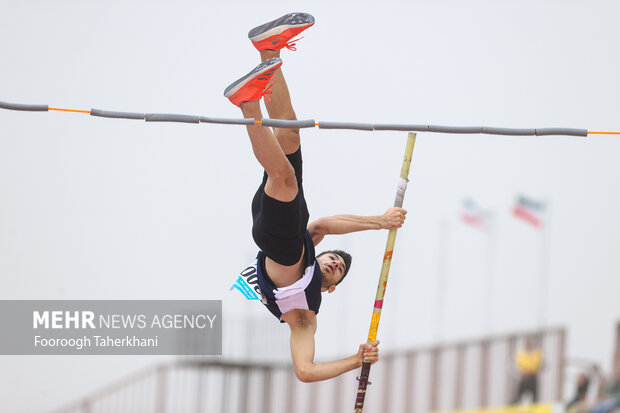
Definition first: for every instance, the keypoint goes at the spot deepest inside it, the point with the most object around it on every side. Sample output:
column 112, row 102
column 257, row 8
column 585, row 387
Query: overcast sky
column 95, row 208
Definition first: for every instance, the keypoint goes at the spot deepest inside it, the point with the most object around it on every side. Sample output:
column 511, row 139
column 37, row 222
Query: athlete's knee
column 288, row 114
column 287, row 135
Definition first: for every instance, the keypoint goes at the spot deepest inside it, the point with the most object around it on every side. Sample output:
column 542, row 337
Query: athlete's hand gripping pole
column 385, row 270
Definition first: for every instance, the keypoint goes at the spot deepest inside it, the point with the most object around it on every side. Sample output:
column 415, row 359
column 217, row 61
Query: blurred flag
column 473, row 215
column 529, row 210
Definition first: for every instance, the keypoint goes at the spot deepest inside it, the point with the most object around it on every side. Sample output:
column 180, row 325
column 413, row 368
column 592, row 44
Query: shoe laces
column 290, row 45
column 266, row 92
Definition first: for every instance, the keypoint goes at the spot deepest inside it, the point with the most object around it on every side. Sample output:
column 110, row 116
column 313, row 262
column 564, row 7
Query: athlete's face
column 332, row 268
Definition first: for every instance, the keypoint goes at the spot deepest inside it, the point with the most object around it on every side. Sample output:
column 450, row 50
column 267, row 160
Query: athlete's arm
column 303, row 327
column 344, row 224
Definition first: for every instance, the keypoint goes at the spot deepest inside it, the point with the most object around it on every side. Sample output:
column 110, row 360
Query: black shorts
column 279, row 227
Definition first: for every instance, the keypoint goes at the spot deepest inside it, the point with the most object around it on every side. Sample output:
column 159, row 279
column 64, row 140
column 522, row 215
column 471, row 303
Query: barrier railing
column 458, row 376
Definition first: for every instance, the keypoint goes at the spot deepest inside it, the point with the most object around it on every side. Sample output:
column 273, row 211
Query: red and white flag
column 475, row 216
column 530, row 211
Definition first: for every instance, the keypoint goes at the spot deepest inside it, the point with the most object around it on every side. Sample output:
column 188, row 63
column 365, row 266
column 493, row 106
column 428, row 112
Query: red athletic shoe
column 278, row 33
column 252, row 86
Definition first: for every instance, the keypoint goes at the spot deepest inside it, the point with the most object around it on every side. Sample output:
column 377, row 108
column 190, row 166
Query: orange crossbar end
column 604, row 133
column 70, row 110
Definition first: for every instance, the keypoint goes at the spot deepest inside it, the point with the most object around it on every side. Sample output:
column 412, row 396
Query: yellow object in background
column 529, row 362
column 526, row 408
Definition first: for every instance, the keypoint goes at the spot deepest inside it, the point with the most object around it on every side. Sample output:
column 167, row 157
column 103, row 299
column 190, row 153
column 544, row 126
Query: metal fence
column 463, row 375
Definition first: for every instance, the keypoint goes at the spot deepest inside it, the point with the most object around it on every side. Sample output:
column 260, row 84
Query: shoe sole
column 261, row 68
column 277, row 26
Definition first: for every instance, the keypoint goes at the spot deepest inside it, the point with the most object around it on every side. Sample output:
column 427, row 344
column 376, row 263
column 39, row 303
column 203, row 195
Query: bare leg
column 280, row 107
column 281, row 184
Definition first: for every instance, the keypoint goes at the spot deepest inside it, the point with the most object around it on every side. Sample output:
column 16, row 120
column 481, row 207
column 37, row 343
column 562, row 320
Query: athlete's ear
column 331, row 289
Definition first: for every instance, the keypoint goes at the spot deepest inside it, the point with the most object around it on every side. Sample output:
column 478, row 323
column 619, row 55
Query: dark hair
column 345, row 256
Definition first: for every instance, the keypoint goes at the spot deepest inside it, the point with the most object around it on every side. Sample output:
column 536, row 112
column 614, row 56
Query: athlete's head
column 335, row 265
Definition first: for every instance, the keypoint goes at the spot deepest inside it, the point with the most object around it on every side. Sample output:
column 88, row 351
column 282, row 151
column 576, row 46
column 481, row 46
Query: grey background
column 94, row 208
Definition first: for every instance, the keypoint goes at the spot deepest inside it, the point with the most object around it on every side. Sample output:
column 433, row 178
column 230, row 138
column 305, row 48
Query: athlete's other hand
column 394, row 218
column 368, row 351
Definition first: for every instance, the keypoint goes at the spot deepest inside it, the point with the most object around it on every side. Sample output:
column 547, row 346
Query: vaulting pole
column 385, row 270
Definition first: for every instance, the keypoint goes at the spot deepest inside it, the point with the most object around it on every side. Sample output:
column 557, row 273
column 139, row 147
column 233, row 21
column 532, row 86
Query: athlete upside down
column 290, row 276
